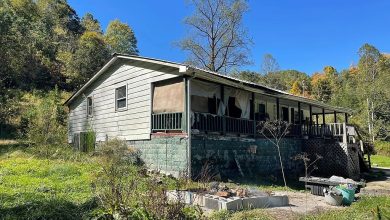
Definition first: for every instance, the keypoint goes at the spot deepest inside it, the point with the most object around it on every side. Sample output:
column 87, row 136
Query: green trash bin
column 348, row 195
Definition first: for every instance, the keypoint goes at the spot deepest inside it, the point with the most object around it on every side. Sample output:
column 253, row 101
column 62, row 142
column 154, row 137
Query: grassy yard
column 33, row 187
column 380, row 160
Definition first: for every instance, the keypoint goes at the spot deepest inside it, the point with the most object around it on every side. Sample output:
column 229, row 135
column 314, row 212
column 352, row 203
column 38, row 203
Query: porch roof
column 194, row 72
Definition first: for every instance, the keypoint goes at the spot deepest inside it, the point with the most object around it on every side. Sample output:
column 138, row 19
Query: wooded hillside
column 44, row 44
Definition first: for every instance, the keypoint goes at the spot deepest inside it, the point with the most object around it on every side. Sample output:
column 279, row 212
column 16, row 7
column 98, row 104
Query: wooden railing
column 240, row 126
column 206, row 122
column 216, row 123
column 167, row 121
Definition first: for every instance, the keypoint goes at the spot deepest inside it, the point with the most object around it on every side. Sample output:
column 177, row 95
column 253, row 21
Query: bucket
column 333, row 199
column 348, row 195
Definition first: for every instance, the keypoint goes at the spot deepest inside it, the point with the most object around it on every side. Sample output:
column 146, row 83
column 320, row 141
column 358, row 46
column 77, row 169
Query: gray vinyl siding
column 130, row 124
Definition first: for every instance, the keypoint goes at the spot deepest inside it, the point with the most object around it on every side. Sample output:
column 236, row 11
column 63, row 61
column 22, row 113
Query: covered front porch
column 197, row 106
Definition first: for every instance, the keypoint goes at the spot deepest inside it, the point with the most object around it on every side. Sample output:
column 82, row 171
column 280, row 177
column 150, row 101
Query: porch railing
column 206, row 122
column 167, row 121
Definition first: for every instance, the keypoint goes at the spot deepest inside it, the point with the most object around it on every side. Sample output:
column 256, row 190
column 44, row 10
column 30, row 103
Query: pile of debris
column 219, row 197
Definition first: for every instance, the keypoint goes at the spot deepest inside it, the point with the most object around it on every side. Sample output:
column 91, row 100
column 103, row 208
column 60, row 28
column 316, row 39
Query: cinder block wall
column 168, row 154
column 234, row 157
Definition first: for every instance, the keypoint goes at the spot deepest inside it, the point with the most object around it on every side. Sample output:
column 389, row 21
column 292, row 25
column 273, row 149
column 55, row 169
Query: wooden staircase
column 366, row 149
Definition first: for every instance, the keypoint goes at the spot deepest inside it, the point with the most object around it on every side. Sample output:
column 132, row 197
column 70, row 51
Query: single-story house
column 182, row 117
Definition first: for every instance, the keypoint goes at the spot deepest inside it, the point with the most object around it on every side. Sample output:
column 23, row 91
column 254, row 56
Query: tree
column 274, row 132
column 90, row 56
column 217, row 40
column 321, row 87
column 89, row 23
column 285, row 79
column 296, row 88
column 369, row 70
column 120, row 38
column 269, row 64
column 248, row 76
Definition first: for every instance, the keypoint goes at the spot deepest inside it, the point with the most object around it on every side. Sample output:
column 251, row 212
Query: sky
column 304, row 35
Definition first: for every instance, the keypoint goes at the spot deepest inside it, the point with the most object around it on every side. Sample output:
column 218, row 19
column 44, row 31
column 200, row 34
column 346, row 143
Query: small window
column 120, row 98
column 89, row 106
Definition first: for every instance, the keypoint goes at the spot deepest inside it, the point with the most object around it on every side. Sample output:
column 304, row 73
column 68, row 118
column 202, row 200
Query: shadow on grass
column 12, row 147
column 268, row 182
column 49, row 209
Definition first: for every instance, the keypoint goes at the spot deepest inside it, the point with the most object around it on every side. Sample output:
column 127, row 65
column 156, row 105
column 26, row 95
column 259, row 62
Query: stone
column 241, row 192
column 224, row 194
column 214, row 185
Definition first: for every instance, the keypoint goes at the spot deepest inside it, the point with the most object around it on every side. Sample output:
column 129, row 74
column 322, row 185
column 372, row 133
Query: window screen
column 120, row 96
column 89, row 106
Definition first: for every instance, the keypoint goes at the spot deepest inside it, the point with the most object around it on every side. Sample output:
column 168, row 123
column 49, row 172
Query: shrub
column 126, row 192
column 46, row 121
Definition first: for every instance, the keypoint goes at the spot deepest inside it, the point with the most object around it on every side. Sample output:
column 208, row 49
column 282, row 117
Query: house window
column 89, row 106
column 121, row 98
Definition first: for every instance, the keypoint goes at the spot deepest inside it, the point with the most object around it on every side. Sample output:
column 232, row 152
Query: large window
column 89, row 106
column 121, row 98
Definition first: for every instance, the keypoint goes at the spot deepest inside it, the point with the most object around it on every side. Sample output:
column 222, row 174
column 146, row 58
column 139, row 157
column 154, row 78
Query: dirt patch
column 301, row 203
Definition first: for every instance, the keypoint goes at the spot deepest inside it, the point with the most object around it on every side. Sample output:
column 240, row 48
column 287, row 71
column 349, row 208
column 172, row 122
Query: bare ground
column 301, row 203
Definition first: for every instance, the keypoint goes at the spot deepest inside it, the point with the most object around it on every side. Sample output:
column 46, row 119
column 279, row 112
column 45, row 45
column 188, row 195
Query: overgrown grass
column 380, row 160
column 32, row 187
column 382, row 148
column 377, row 207
column 258, row 214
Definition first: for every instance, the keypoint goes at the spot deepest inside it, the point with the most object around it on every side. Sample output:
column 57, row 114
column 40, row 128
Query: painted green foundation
column 232, row 157
column 167, row 154
column 228, row 157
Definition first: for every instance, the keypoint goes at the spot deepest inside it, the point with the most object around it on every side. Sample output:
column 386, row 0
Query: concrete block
column 231, row 204
column 211, row 203
column 256, row 202
column 198, row 199
column 278, row 201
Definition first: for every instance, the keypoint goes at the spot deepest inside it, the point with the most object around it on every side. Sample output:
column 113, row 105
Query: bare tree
column 269, row 64
column 275, row 131
column 217, row 40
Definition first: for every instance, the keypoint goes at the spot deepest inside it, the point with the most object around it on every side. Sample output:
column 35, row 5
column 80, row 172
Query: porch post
column 185, row 112
column 187, row 119
column 277, row 109
column 299, row 114
column 323, row 117
column 311, row 119
column 346, row 118
column 224, row 110
column 316, row 119
column 253, row 107
column 335, row 116
column 299, row 119
column 323, row 122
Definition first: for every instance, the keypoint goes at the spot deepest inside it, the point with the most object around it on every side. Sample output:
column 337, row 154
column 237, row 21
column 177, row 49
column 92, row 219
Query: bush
column 126, row 192
column 46, row 121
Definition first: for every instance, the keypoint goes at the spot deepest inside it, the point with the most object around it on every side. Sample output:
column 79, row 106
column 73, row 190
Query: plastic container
column 348, row 195
column 333, row 199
